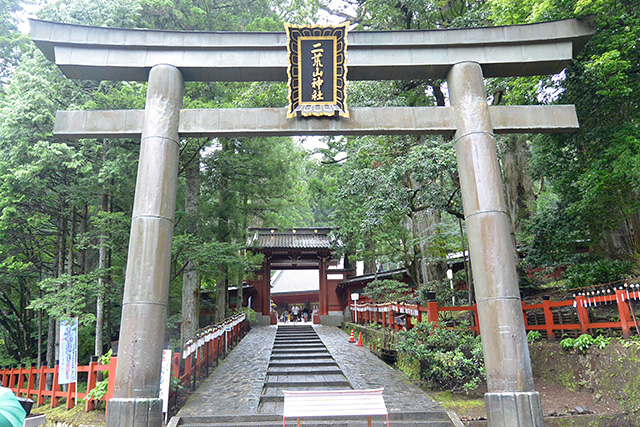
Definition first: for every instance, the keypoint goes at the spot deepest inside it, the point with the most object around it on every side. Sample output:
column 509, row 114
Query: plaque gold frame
column 295, row 34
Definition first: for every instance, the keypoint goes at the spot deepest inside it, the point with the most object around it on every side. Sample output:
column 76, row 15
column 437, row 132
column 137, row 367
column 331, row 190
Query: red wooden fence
column 31, row 382
column 399, row 316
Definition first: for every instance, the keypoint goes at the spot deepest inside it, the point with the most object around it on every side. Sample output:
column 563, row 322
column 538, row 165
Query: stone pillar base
column 332, row 319
column 514, row 409
column 263, row 320
column 134, row 412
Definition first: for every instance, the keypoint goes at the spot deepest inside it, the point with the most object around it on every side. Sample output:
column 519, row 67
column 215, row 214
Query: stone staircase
column 300, row 361
column 410, row 419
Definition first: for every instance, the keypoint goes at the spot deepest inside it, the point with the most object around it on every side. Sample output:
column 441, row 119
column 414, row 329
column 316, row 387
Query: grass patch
column 76, row 417
column 458, row 403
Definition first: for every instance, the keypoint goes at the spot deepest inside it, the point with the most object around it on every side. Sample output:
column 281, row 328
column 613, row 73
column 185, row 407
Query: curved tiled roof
column 297, row 238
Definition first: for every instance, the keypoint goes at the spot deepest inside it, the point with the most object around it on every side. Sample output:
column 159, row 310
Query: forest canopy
column 393, row 201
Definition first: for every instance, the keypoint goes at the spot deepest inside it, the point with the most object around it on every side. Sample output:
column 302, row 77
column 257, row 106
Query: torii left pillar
column 146, row 291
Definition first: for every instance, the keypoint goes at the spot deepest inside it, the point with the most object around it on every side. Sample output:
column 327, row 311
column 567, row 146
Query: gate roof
column 297, row 248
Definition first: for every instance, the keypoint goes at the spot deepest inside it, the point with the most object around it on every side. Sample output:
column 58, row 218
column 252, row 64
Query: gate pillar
column 511, row 399
column 266, row 289
column 146, row 290
column 323, row 287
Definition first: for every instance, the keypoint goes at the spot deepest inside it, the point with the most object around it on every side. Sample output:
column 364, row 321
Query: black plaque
column 317, row 71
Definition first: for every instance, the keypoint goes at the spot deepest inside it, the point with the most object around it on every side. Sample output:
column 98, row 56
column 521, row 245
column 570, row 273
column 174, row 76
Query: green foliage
column 99, row 391
column 420, row 14
column 175, row 384
column 387, row 290
column 249, row 312
column 450, row 358
column 444, row 293
column 596, row 272
column 594, row 172
column 583, row 342
column 534, row 336
column 105, row 358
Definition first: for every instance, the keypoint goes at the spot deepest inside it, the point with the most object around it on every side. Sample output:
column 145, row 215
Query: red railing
column 32, row 382
column 399, row 316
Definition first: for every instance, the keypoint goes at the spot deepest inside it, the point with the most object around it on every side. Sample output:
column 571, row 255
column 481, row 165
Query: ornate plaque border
column 297, row 108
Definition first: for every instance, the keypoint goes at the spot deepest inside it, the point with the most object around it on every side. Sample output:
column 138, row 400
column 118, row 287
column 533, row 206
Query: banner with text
column 68, row 368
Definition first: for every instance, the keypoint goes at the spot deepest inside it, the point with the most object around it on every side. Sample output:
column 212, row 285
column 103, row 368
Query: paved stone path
column 234, row 388
column 364, row 370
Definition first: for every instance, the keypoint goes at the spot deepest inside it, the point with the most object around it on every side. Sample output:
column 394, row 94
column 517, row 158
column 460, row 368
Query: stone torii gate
column 463, row 56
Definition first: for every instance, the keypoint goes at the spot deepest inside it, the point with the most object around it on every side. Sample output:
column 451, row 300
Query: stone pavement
column 364, row 370
column 234, row 388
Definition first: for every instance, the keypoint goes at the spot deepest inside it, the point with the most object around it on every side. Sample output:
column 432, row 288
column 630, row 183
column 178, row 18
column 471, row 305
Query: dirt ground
column 556, row 400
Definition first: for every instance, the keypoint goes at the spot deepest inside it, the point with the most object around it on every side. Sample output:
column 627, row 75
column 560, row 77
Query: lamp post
column 450, row 277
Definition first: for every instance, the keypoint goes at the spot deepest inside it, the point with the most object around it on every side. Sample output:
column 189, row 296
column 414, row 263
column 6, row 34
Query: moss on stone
column 409, row 365
column 611, row 371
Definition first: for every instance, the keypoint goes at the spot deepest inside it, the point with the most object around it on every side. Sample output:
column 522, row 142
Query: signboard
column 165, row 380
column 317, row 70
column 68, row 368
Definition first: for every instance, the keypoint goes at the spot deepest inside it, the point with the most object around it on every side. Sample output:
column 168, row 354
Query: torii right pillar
column 511, row 400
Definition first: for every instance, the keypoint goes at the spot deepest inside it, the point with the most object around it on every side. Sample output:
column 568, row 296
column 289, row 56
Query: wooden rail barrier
column 399, row 316
column 187, row 367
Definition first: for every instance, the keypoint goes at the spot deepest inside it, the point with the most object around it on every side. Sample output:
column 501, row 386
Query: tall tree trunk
column 53, row 331
column 224, row 236
column 221, row 300
column 82, row 253
column 429, row 254
column 619, row 242
column 190, row 277
column 245, row 226
column 39, row 359
column 102, row 266
column 370, row 257
column 520, row 197
column 471, row 294
column 71, row 248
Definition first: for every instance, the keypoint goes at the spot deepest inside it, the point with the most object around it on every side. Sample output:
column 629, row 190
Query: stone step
column 283, row 346
column 313, row 350
column 415, row 419
column 307, row 383
column 304, row 370
column 292, row 341
column 305, row 356
column 295, row 363
column 377, row 421
column 296, row 337
column 277, row 391
column 303, row 326
column 320, row 378
column 310, row 333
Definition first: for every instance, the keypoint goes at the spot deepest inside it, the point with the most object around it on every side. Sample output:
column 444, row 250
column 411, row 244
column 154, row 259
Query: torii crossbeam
column 463, row 56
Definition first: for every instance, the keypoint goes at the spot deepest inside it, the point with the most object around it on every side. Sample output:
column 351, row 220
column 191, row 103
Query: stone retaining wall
column 613, row 371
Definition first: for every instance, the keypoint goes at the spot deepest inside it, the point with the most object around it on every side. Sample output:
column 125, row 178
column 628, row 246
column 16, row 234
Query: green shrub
column 534, row 336
column 98, row 391
column 387, row 290
column 596, row 272
column 583, row 342
column 451, row 359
